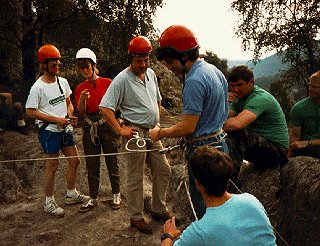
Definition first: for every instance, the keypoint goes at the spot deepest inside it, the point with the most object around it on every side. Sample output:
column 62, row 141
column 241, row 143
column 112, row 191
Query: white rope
column 274, row 229
column 75, row 156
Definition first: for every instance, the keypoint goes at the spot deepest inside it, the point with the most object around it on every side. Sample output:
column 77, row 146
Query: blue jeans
column 196, row 198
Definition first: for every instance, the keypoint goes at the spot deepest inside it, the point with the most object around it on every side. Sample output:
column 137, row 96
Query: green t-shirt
column 270, row 123
column 306, row 114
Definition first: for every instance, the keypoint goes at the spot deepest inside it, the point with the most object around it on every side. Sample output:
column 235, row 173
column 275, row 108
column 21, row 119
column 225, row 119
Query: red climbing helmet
column 139, row 46
column 48, row 52
column 179, row 38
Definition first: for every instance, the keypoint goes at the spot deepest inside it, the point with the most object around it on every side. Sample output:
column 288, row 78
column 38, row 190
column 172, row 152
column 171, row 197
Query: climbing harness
column 94, row 129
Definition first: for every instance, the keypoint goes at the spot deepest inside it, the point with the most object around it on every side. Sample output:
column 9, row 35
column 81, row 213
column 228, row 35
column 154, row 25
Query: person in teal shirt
column 305, row 122
column 256, row 124
column 230, row 219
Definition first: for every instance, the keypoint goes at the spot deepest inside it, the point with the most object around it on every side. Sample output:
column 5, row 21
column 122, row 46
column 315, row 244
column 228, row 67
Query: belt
column 218, row 135
column 126, row 122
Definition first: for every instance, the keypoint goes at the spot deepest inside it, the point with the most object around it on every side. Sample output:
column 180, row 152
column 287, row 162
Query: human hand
column 171, row 228
column 298, row 145
column 232, row 97
column 84, row 95
column 62, row 122
column 73, row 120
column 128, row 132
column 154, row 133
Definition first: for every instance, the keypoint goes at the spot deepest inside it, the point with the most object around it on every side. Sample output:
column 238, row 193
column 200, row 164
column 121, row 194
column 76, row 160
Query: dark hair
column 166, row 53
column 84, row 62
column 240, row 72
column 212, row 169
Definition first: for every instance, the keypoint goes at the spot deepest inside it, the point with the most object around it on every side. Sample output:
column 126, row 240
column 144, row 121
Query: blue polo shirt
column 206, row 94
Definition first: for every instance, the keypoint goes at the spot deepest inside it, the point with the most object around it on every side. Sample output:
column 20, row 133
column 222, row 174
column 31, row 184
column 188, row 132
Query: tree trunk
column 28, row 48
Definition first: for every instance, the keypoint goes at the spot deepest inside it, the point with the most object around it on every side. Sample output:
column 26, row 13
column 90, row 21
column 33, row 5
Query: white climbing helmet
column 86, row 53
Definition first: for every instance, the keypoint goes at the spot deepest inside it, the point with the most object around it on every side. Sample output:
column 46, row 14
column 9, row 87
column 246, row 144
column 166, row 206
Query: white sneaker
column 92, row 203
column 52, row 207
column 116, row 201
column 77, row 198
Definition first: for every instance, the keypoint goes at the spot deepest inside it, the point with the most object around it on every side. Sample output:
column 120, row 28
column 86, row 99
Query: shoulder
column 246, row 199
column 301, row 105
column 105, row 80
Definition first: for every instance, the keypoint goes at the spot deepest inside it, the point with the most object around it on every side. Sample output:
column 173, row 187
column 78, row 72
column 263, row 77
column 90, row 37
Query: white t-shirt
column 48, row 99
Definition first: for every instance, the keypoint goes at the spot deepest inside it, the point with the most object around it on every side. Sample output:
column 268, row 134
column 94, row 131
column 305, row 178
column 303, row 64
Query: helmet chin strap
column 92, row 77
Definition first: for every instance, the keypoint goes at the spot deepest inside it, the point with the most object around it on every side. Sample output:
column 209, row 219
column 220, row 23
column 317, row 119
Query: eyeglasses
column 54, row 63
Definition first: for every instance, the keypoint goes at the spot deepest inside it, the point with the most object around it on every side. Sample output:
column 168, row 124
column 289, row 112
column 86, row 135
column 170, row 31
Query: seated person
column 230, row 219
column 305, row 122
column 11, row 114
column 256, row 125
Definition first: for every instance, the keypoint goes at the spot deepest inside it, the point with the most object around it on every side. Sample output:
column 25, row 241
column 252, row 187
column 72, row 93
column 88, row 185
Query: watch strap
column 165, row 236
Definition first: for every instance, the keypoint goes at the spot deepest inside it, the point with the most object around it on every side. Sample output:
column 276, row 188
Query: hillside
column 269, row 66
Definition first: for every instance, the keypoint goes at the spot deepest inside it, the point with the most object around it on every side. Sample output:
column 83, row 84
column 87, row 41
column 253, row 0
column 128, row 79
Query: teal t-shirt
column 270, row 123
column 240, row 221
column 306, row 114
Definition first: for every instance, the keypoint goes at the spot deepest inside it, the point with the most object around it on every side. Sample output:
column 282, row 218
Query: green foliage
column 104, row 26
column 212, row 58
column 290, row 26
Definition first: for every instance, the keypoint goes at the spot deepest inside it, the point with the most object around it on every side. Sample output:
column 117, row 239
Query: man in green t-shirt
column 256, row 124
column 305, row 122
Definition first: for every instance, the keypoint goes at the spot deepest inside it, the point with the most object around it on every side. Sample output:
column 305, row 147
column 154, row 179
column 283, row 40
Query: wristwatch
column 165, row 236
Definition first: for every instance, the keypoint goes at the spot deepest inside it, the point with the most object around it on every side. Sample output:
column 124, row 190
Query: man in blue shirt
column 205, row 98
column 230, row 219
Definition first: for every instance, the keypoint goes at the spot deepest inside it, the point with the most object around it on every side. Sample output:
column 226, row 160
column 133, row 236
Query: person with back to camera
column 49, row 103
column 97, row 133
column 204, row 97
column 135, row 92
column 256, row 124
column 230, row 219
column 305, row 122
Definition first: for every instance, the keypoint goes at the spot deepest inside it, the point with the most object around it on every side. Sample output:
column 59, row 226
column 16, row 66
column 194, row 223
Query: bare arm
column 82, row 105
column 70, row 108
column 170, row 228
column 240, row 121
column 36, row 114
column 185, row 127
column 110, row 118
column 295, row 134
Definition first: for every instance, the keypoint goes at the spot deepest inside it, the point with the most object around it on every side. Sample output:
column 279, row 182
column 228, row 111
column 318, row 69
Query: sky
column 212, row 21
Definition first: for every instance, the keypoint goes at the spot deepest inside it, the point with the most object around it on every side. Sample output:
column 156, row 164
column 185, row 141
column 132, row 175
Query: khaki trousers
column 135, row 165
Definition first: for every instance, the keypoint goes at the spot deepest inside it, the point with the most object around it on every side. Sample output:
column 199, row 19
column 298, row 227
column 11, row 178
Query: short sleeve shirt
column 137, row 100
column 306, row 114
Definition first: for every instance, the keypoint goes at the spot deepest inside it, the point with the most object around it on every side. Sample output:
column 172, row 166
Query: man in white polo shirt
column 135, row 92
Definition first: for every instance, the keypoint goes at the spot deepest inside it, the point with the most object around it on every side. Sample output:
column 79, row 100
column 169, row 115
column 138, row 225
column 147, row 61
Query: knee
column 74, row 162
column 17, row 106
column 52, row 166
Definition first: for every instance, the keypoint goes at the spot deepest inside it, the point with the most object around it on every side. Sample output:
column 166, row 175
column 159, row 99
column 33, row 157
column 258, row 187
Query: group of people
column 116, row 111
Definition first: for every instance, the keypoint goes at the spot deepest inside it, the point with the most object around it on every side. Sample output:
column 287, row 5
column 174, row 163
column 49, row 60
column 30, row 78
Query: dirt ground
column 25, row 223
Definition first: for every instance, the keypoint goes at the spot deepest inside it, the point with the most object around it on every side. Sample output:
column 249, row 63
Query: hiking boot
column 52, row 208
column 164, row 217
column 78, row 198
column 92, row 203
column 116, row 203
column 141, row 225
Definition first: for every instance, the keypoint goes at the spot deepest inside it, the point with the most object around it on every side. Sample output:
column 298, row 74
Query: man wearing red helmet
column 135, row 92
column 49, row 103
column 205, row 99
